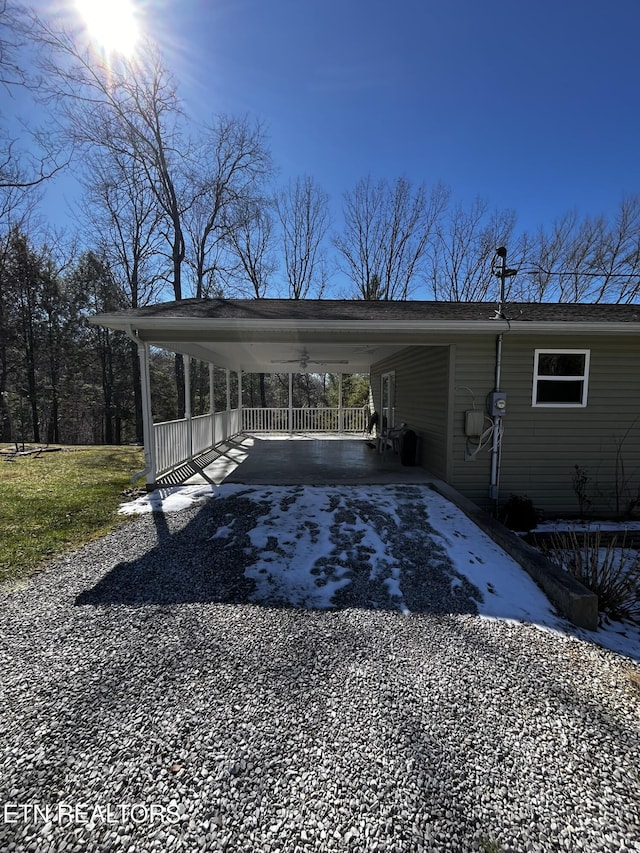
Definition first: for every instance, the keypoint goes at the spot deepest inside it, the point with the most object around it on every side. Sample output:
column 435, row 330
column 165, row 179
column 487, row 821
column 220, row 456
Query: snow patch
column 301, row 545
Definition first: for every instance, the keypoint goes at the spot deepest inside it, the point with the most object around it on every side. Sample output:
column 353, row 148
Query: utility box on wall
column 497, row 404
column 473, row 423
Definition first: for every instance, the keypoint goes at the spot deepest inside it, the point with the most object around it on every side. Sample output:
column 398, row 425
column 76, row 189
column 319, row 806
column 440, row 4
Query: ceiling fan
column 304, row 360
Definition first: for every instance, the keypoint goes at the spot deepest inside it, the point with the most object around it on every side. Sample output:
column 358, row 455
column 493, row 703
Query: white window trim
column 388, row 375
column 583, row 378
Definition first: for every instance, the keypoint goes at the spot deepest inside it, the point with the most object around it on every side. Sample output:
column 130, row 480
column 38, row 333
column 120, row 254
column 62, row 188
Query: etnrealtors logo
column 87, row 814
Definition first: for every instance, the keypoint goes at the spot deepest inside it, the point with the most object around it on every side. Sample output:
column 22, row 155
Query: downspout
column 149, row 470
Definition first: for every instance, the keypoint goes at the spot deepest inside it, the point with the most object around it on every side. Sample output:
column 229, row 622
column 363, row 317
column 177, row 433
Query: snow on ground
column 559, row 525
column 307, row 541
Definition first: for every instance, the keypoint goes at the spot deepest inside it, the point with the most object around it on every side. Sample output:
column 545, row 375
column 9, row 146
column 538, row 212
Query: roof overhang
column 278, row 344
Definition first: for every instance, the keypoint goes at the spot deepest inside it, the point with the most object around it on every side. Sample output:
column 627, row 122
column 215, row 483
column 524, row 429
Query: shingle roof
column 354, row 310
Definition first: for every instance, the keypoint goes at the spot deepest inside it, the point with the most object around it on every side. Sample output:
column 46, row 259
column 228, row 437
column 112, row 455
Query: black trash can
column 408, row 447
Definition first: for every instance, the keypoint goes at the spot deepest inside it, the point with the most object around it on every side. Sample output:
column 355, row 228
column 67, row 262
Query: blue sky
column 534, row 106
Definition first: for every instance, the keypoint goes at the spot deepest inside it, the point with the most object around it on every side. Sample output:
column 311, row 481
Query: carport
column 267, row 336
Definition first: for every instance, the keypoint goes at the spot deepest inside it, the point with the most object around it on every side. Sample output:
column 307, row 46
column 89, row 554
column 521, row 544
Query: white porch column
column 227, row 374
column 240, row 401
column 212, row 404
column 148, row 432
column 290, row 401
column 340, row 413
column 186, row 360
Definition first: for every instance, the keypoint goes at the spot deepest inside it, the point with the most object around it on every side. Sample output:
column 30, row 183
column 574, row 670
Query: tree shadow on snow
column 191, row 562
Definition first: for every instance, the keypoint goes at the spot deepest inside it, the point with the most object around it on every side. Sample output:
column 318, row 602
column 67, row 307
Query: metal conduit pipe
column 495, row 438
column 502, row 273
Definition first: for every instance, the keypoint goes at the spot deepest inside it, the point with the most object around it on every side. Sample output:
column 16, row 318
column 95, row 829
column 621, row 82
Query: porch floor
column 298, row 459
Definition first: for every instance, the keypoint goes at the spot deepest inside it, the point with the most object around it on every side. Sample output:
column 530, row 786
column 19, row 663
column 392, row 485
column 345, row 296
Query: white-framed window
column 560, row 377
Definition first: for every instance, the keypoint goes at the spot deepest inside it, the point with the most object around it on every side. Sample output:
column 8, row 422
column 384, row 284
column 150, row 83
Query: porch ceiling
column 296, row 356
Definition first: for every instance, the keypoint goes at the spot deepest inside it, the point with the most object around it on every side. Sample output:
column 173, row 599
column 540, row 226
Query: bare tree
column 28, row 157
column 11, row 71
column 616, row 264
column 231, row 167
column 463, row 246
column 386, row 235
column 130, row 109
column 302, row 208
column 250, row 242
column 120, row 207
column 590, row 259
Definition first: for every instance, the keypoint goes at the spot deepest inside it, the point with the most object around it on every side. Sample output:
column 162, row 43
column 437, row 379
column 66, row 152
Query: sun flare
column 110, row 23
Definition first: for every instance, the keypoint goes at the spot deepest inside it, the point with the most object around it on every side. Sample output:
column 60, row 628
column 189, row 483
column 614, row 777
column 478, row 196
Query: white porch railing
column 201, row 436
column 172, row 444
column 304, row 420
column 265, row 420
column 178, row 441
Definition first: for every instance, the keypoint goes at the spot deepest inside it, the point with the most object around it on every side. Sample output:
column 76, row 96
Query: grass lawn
column 59, row 500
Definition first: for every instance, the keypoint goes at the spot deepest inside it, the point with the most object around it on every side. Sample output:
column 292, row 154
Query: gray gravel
column 137, row 674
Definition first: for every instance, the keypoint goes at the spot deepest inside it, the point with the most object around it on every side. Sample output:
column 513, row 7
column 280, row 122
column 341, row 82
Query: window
column 560, row 377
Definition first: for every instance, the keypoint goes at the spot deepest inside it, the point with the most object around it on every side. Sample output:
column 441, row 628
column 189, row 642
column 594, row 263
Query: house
column 537, row 400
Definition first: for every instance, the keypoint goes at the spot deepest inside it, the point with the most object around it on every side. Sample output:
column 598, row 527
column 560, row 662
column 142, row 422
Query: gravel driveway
column 149, row 704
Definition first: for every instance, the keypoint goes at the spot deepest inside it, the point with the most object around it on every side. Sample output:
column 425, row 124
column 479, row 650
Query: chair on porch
column 390, row 437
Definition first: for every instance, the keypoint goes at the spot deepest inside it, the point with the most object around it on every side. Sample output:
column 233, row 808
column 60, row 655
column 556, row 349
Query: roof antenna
column 503, row 273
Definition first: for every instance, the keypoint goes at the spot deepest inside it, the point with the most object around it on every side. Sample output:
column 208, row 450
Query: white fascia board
column 195, row 324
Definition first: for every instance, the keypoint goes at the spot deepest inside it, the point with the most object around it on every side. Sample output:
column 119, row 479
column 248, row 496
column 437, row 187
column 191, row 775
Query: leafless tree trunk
column 227, row 175
column 250, row 242
column 130, row 109
column 586, row 259
column 386, row 235
column 302, row 209
column 462, row 250
column 122, row 210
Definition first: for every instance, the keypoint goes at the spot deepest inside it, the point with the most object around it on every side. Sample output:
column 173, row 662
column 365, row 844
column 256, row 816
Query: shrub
column 519, row 513
column 611, row 570
column 580, row 481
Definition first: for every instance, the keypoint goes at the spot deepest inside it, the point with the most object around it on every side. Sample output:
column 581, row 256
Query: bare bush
column 611, row 569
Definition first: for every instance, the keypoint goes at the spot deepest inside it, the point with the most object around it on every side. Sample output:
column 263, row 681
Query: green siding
column 436, row 385
column 421, row 400
column 542, row 446
column 474, row 379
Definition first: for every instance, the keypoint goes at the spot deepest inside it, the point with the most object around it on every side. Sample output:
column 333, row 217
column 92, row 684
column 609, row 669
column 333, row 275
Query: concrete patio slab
column 298, row 459
column 309, row 460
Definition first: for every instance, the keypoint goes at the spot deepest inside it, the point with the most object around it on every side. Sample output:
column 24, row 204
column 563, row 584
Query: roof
column 269, row 335
column 353, row 309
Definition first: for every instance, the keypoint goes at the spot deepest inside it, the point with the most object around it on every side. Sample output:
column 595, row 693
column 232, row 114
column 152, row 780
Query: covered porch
column 278, row 459
column 238, row 339
column 181, row 444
